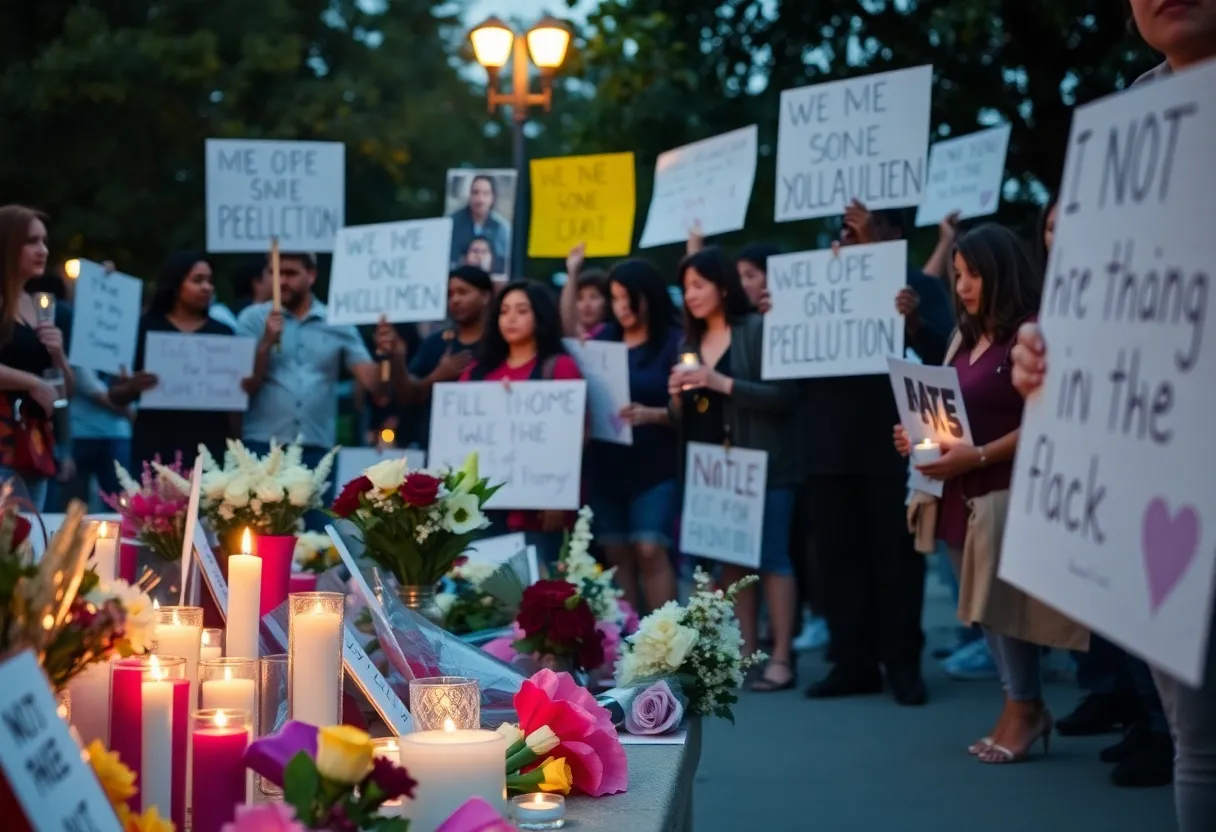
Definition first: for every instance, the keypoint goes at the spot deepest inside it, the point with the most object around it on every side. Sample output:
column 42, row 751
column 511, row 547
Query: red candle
column 220, row 738
column 276, row 552
column 303, row 582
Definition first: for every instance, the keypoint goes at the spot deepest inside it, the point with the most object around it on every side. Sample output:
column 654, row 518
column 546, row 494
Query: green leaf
column 301, row 784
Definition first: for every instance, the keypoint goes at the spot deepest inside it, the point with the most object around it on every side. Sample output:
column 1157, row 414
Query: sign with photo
column 481, row 205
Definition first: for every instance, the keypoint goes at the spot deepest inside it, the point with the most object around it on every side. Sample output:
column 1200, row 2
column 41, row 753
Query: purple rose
column 654, row 711
column 269, row 756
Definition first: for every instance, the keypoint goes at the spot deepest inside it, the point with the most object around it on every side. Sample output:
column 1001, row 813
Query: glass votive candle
column 539, row 811
column 314, row 657
column 387, row 748
column 229, row 684
column 213, row 644
column 219, row 737
column 435, row 700
column 272, row 706
column 179, row 632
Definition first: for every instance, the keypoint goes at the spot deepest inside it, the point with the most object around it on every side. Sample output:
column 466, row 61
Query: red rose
column 21, row 530
column 568, row 626
column 590, row 655
column 347, row 503
column 420, row 490
column 540, row 602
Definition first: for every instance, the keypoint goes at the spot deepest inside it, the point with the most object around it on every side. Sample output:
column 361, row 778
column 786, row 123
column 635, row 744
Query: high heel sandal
column 979, row 746
column 764, row 685
column 1002, row 755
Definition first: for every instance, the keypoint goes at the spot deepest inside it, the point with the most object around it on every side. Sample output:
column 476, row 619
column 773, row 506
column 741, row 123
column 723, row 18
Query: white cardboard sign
column 707, row 182
column 930, row 403
column 724, row 491
column 259, row 189
column 394, row 270
column 197, row 372
column 862, row 138
column 528, row 436
column 834, row 312
column 352, row 462
column 605, row 365
column 965, row 175
column 1112, row 516
column 105, row 325
column 42, row 763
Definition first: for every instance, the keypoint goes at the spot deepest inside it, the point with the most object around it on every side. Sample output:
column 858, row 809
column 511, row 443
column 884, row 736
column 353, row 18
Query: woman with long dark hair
column 725, row 401
column 633, row 489
column 180, row 304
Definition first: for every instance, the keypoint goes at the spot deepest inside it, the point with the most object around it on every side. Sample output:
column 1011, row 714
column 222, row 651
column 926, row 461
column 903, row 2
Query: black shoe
column 846, row 681
column 1100, row 713
column 1136, row 738
column 1152, row 765
column 906, row 683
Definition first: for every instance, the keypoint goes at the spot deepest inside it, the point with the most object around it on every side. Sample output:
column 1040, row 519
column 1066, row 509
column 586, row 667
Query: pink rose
column 654, row 711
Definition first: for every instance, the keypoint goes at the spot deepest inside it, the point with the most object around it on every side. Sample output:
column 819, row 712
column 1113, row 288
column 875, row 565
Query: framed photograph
column 481, row 203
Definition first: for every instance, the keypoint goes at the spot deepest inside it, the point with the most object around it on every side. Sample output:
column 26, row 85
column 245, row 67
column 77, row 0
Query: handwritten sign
column 257, row 189
column 42, row 763
column 605, row 365
column 834, row 313
column 582, row 199
column 352, row 462
column 398, row 270
column 965, row 175
column 930, row 403
column 106, row 322
column 1112, row 515
column 209, row 567
column 723, row 516
column 707, row 182
column 529, row 437
column 197, row 372
column 863, row 138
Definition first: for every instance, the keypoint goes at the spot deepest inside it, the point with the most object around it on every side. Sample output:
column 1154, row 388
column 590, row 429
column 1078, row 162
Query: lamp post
column 494, row 43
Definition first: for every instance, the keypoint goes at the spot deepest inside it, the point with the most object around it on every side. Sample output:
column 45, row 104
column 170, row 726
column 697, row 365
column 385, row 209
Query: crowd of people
column 843, row 548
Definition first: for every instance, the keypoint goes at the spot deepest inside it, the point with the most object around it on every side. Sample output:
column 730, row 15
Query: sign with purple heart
column 965, row 175
column 1113, row 505
column 605, row 365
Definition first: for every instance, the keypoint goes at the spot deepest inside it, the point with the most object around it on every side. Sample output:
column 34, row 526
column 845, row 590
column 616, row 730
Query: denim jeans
column 1019, row 664
column 26, row 489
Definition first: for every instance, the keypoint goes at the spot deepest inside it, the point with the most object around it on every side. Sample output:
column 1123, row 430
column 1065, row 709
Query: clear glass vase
column 168, row 573
column 421, row 599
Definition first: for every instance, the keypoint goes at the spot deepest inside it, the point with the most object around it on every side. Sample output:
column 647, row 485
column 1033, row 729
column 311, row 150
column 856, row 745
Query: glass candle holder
column 105, row 551
column 314, row 657
column 213, row 644
column 179, row 632
column 436, row 699
column 219, row 737
column 229, row 684
column 44, row 307
column 539, row 811
column 388, row 748
column 272, row 706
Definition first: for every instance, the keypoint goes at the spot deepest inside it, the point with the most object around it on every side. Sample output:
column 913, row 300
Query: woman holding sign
column 722, row 400
column 997, row 288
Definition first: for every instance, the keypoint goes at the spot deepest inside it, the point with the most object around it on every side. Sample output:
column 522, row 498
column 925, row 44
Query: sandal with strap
column 765, row 685
column 1002, row 755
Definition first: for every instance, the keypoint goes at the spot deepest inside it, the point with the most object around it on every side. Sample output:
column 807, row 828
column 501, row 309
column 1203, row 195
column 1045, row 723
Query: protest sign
column 481, row 205
column 55, row 788
column 862, row 138
column 105, row 324
column 582, row 199
column 528, row 436
column 930, row 404
column 1112, row 515
column 258, row 189
column 834, row 312
column 394, row 270
column 723, row 517
column 707, row 182
column 965, row 175
column 197, row 372
column 352, row 462
column 605, row 365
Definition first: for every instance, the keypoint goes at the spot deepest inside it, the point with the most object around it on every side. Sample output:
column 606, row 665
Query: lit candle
column 315, row 658
column 219, row 740
column 387, row 748
column 539, row 811
column 44, row 303
column 91, row 703
column 105, row 553
column 451, row 766
column 689, row 361
column 244, row 601
column 180, row 633
column 926, row 451
column 237, row 694
column 163, row 708
column 213, row 644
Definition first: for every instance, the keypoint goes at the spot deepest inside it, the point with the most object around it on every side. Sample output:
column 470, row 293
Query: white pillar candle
column 105, row 553
column 91, row 703
column 230, row 694
column 175, row 637
column 244, row 600
column 156, row 760
column 926, row 451
column 451, row 766
column 316, row 667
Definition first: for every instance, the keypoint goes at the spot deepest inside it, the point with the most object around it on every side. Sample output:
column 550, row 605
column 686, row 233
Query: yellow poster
column 582, row 199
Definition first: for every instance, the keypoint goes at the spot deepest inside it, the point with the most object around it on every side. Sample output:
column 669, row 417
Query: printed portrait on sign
column 481, row 204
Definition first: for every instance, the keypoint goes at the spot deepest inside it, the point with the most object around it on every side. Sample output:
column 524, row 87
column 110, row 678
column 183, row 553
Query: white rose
column 681, row 643
column 388, row 474
column 269, row 491
column 237, row 492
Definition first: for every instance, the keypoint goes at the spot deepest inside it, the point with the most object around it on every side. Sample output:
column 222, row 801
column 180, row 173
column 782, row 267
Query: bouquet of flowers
column 315, row 553
column 331, row 777
column 558, row 622
column 268, row 495
column 469, row 608
column 415, row 524
column 698, row 645
column 155, row 506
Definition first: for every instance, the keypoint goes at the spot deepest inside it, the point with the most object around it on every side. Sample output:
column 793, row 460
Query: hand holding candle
column 926, row 451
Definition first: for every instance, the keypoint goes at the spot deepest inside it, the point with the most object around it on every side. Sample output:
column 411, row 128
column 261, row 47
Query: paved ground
column 865, row 764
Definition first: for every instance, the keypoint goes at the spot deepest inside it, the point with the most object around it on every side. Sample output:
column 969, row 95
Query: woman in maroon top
column 997, row 289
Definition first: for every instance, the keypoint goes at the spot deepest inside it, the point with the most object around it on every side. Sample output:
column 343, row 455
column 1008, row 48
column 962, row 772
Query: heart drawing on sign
column 618, row 424
column 1168, row 545
column 986, row 197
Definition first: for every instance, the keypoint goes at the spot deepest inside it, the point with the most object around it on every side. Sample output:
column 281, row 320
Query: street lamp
column 494, row 43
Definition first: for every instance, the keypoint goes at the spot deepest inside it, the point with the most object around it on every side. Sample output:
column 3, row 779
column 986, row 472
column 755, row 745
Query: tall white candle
column 230, row 694
column 450, row 767
column 244, row 599
column 316, row 667
column 105, row 553
column 176, row 638
column 91, row 703
column 156, row 763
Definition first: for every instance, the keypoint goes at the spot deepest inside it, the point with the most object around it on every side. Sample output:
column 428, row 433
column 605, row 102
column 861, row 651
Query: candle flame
column 158, row 672
column 689, row 359
column 924, row 443
column 539, row 799
column 227, row 674
column 318, row 609
column 177, row 622
column 155, row 604
column 105, row 529
column 449, row 726
column 221, row 719
column 48, row 621
column 246, row 543
column 387, row 436
column 44, row 301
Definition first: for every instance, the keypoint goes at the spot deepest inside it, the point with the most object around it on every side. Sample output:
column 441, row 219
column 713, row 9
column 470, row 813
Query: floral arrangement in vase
column 698, row 646
column 155, row 506
column 315, row 553
column 269, row 495
column 118, row 782
column 559, row 626
column 468, row 607
column 415, row 524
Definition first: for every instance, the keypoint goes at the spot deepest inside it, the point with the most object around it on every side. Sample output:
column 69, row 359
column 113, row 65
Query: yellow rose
column 558, row 776
column 344, row 754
